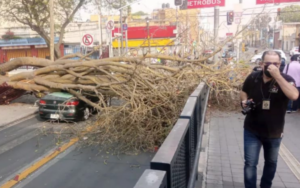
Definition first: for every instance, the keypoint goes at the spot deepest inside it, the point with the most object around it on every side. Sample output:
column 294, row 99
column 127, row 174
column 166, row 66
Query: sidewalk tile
column 292, row 185
column 226, row 161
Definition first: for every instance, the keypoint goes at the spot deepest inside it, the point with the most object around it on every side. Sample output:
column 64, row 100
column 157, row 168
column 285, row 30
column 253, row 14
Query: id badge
column 266, row 104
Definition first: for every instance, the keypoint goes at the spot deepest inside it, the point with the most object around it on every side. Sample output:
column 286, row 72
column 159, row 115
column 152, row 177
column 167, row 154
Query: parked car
column 63, row 106
column 20, row 70
column 258, row 57
column 294, row 50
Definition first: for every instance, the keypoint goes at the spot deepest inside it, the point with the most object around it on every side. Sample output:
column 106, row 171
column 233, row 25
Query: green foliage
column 9, row 35
column 112, row 4
column 140, row 13
column 262, row 21
column 290, row 14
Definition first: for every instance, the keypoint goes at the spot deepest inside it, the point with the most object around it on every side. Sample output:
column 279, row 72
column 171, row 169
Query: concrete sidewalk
column 17, row 110
column 225, row 162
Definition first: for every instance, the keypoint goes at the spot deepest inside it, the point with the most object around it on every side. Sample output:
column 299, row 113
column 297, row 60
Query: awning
column 15, row 47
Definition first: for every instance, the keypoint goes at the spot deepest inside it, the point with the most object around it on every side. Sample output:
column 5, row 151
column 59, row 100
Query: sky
column 149, row 5
column 249, row 7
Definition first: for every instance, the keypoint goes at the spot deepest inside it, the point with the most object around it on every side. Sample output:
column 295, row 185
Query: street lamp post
column 51, row 30
column 148, row 35
column 121, row 25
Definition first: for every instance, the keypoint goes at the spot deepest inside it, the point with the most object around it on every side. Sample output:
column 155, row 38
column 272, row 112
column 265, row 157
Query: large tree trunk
column 57, row 53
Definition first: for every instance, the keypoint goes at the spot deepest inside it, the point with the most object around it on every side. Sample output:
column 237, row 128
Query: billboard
column 142, row 33
column 191, row 4
column 260, row 2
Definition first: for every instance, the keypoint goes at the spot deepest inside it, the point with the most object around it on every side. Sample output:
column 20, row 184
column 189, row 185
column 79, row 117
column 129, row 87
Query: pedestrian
column 265, row 95
column 293, row 70
column 259, row 67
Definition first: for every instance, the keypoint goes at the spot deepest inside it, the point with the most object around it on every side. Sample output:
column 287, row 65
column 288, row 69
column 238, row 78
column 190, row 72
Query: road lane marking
column 35, row 166
column 290, row 160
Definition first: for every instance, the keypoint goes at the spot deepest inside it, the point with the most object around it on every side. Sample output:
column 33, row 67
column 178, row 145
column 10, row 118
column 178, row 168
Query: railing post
column 173, row 155
column 152, row 179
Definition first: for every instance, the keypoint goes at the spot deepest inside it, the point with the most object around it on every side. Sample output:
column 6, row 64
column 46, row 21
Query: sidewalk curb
column 27, row 116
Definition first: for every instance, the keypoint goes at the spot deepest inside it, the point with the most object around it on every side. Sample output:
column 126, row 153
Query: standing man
column 270, row 90
column 293, row 70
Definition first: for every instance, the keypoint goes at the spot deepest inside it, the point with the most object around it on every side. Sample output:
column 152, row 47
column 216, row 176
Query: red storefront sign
column 155, row 32
column 260, row 2
column 204, row 3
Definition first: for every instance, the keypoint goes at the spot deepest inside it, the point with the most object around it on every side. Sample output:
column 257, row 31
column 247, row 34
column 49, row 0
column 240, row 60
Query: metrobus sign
column 204, row 3
column 259, row 2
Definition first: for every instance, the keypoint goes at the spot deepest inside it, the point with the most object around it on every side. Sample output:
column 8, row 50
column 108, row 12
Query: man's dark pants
column 252, row 146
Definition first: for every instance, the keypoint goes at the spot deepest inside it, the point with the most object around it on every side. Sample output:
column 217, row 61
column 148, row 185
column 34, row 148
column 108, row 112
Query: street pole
column 51, row 30
column 148, row 33
column 275, row 20
column 119, row 44
column 100, row 35
column 186, row 33
column 238, row 51
column 121, row 26
column 216, row 30
column 283, row 38
column 177, row 31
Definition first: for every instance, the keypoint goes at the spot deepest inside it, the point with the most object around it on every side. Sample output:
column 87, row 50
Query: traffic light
column 178, row 2
column 278, row 11
column 230, row 17
column 243, row 47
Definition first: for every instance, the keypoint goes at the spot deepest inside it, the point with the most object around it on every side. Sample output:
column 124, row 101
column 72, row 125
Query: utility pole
column 186, row 33
column 275, row 20
column 177, row 30
column 100, row 29
column 148, row 35
column 51, row 30
column 121, row 26
column 100, row 36
column 283, row 37
column 216, row 29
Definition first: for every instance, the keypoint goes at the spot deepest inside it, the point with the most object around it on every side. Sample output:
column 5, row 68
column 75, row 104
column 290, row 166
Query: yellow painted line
column 19, row 177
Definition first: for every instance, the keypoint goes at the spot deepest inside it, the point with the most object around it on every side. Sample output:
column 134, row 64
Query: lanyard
column 261, row 89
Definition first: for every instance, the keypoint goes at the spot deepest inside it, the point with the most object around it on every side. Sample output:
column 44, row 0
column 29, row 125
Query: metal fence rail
column 173, row 156
column 151, row 179
column 179, row 154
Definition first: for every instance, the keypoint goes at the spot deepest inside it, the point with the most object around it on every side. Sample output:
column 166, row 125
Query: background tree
column 260, row 25
column 36, row 15
column 139, row 13
column 9, row 35
column 290, row 14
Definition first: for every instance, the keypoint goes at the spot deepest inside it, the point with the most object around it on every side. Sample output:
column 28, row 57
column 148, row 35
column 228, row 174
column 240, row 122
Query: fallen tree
column 152, row 95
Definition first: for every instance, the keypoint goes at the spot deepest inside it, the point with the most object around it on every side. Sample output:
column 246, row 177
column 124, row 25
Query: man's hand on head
column 274, row 71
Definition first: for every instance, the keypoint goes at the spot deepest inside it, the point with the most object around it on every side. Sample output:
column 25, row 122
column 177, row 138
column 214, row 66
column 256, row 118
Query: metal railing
column 178, row 156
column 151, row 179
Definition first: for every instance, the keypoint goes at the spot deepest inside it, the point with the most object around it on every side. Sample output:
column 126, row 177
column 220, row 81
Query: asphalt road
column 89, row 169
column 20, row 145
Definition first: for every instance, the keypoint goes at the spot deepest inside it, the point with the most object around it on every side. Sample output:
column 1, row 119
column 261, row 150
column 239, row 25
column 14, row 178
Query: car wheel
column 257, row 61
column 86, row 114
